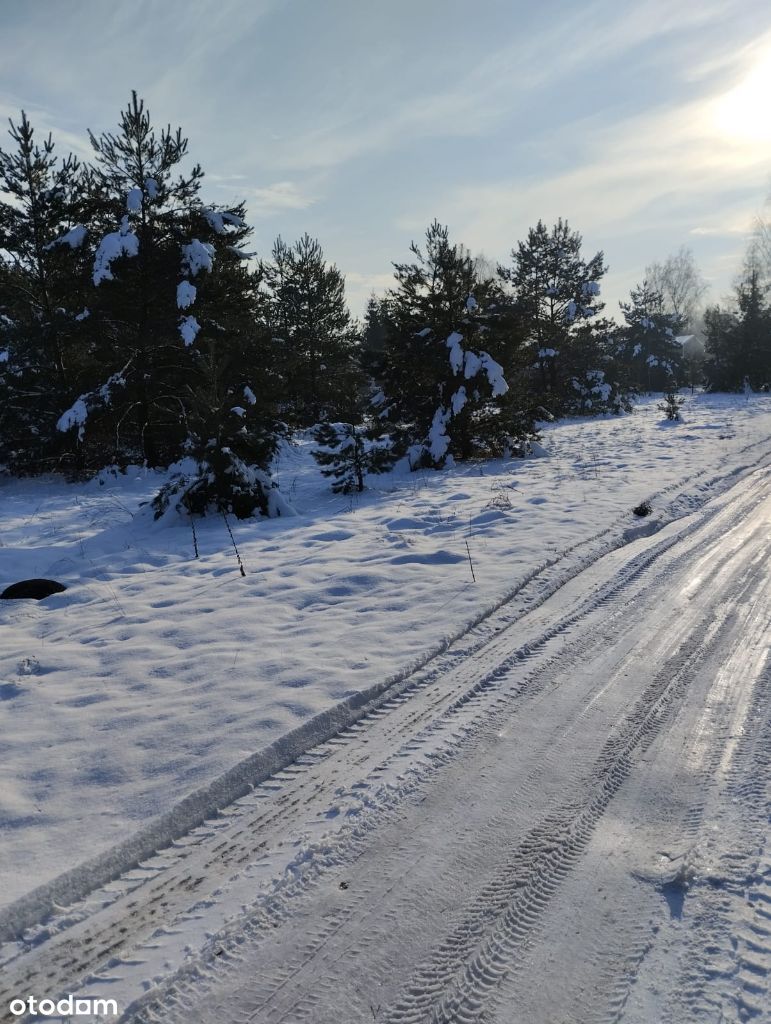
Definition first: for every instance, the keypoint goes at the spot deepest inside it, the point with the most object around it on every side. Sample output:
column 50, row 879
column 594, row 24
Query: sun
column 744, row 113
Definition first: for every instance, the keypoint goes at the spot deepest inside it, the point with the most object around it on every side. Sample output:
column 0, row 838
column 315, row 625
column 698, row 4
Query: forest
column 137, row 326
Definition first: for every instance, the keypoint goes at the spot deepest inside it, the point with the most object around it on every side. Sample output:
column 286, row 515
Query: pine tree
column 739, row 341
column 648, row 341
column 557, row 292
column 316, row 342
column 231, row 421
column 153, row 235
column 373, row 338
column 599, row 381
column 179, row 365
column 43, row 263
column 157, row 247
column 349, row 451
column 442, row 380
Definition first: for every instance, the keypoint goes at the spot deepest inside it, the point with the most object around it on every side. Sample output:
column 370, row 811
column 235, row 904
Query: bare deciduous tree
column 680, row 283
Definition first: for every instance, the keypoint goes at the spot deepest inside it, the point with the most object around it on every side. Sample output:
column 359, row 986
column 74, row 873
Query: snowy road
column 569, row 823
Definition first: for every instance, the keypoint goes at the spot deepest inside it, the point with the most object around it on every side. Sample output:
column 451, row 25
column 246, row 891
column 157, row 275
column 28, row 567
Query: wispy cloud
column 283, row 195
column 361, row 122
column 470, row 103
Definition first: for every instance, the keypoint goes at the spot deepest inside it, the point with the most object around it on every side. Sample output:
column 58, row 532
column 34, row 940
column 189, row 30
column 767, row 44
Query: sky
column 647, row 125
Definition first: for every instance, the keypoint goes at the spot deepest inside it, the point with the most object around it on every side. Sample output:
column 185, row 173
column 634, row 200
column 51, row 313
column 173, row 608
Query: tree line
column 137, row 326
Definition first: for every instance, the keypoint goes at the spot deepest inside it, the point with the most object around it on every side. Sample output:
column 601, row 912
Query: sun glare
column 744, row 113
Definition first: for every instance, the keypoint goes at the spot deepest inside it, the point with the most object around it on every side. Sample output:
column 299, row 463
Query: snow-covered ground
column 156, row 672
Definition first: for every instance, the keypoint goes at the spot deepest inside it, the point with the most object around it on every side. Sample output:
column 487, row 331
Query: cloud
column 640, row 173
column 372, row 282
column 723, row 228
column 283, row 195
column 471, row 103
column 359, row 287
column 44, row 124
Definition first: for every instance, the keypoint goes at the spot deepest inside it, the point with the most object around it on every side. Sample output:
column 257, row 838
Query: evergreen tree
column 155, row 248
column 373, row 337
column 648, row 341
column 231, row 422
column 442, row 381
column 556, row 291
column 316, row 341
column 43, row 282
column 599, row 381
column 348, row 452
column 739, row 342
column 179, row 365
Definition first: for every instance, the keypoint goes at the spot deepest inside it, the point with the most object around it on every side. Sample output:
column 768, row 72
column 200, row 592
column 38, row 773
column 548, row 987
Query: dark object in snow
column 643, row 509
column 36, row 589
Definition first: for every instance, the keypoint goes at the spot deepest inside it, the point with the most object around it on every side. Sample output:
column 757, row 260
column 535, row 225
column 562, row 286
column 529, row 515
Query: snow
column 74, row 238
column 115, row 244
column 134, row 200
column 197, row 255
column 471, row 304
column 75, row 416
column 458, row 400
column 155, row 671
column 456, row 352
column 3, row 355
column 472, row 365
column 590, row 288
column 494, row 372
column 239, row 410
column 438, row 441
column 241, row 254
column 84, row 314
column 250, row 396
column 151, row 188
column 219, row 220
column 188, row 329
column 424, row 333
column 186, row 293
column 105, row 391
column 547, row 353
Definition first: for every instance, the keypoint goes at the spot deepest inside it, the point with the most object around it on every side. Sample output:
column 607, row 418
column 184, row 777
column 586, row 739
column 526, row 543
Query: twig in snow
column 195, row 539
column 471, row 564
column 233, row 542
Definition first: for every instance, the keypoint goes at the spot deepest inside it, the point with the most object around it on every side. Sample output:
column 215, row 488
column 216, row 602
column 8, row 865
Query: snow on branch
column 456, row 352
column 117, row 243
column 186, row 293
column 188, row 329
column 219, row 221
column 438, row 441
column 77, row 414
column 494, row 372
column 74, row 238
column 197, row 255
column 134, row 200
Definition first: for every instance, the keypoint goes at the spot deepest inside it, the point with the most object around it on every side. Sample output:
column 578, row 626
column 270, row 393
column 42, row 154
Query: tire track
column 406, row 722
column 550, row 856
